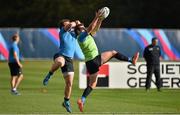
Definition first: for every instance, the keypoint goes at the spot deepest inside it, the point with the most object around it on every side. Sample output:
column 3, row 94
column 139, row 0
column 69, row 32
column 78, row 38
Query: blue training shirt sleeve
column 14, row 49
column 82, row 36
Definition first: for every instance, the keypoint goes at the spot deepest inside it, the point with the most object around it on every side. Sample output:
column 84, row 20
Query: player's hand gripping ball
column 105, row 12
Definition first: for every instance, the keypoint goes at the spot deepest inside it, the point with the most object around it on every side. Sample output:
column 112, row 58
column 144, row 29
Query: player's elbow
column 93, row 32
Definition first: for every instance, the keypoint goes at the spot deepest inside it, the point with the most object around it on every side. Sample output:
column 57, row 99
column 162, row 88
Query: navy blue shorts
column 93, row 65
column 15, row 70
column 68, row 66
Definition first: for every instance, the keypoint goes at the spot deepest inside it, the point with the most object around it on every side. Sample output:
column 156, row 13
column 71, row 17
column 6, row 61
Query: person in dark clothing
column 152, row 55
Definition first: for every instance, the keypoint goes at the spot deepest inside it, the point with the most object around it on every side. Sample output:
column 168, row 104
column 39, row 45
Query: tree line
column 124, row 13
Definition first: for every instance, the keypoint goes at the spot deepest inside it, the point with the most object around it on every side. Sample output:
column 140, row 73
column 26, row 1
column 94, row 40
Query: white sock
column 14, row 89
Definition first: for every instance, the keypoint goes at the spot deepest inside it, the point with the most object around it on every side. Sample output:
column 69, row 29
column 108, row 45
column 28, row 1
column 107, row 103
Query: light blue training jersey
column 13, row 48
column 67, row 43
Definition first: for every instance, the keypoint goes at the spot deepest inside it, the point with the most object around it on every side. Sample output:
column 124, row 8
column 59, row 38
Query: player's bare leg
column 106, row 56
column 15, row 81
column 18, row 81
column 68, row 77
column 87, row 91
column 58, row 62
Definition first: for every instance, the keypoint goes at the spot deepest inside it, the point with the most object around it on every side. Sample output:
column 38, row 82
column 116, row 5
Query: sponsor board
column 125, row 75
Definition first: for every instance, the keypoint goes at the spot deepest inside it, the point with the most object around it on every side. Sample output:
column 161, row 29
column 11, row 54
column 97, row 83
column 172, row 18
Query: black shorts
column 68, row 66
column 93, row 65
column 15, row 69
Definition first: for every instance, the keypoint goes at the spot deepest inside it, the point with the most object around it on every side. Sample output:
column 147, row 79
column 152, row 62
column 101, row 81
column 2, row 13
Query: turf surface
column 34, row 100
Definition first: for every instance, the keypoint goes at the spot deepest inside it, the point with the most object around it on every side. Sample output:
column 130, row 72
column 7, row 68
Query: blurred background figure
column 152, row 55
column 15, row 65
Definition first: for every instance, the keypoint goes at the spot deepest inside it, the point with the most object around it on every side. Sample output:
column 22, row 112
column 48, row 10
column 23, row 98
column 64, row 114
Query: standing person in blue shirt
column 15, row 65
column 63, row 59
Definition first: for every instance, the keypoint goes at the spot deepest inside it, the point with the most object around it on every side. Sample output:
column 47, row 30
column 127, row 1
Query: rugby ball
column 105, row 12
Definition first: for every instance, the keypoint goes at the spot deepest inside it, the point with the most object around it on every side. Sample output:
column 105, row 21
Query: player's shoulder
column 14, row 45
column 148, row 46
column 158, row 46
column 81, row 37
column 84, row 34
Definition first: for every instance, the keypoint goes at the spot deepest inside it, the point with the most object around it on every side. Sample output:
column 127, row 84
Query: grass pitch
column 37, row 99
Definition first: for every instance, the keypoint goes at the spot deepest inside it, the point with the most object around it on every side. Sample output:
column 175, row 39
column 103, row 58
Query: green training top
column 88, row 46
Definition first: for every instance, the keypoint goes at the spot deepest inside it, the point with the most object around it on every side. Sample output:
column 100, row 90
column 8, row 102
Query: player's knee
column 59, row 61
column 20, row 76
column 92, row 85
column 114, row 52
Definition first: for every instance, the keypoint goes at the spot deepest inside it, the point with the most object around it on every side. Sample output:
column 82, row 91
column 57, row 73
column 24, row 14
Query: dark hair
column 78, row 27
column 61, row 23
column 153, row 39
column 14, row 37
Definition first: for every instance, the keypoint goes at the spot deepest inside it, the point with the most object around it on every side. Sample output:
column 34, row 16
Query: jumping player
column 63, row 59
column 92, row 57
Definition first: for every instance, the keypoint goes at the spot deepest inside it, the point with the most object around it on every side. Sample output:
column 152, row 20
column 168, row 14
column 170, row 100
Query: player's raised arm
column 104, row 12
column 98, row 25
column 94, row 22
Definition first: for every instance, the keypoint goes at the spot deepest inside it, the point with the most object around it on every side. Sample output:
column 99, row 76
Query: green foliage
column 45, row 13
column 124, row 13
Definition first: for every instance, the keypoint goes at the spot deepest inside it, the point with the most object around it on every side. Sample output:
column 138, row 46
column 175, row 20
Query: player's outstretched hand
column 99, row 14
